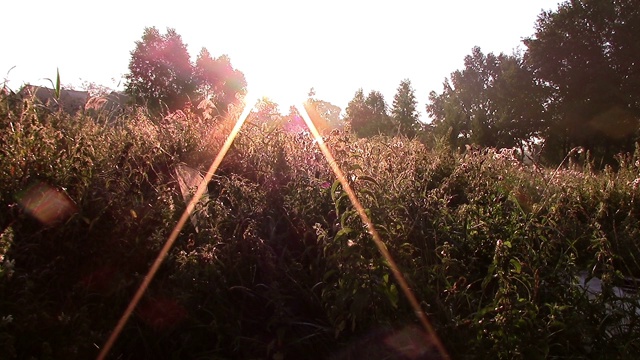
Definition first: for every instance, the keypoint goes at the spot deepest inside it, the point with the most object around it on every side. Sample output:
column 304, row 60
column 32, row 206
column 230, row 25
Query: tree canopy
column 494, row 101
column 368, row 116
column 404, row 111
column 577, row 84
column 160, row 72
column 327, row 111
column 588, row 52
column 217, row 80
column 162, row 76
column 265, row 111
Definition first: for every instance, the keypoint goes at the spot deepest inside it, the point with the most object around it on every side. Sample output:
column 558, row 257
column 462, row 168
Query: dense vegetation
column 575, row 83
column 281, row 267
column 276, row 262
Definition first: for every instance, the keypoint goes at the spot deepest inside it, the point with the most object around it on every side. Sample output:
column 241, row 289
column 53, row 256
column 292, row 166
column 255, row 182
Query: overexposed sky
column 283, row 47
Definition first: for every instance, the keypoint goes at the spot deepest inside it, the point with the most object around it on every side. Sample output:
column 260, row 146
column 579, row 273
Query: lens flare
column 49, row 205
column 313, row 121
column 285, row 97
column 432, row 338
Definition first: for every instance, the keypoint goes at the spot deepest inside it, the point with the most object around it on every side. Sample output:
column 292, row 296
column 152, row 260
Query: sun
column 285, row 80
column 285, row 95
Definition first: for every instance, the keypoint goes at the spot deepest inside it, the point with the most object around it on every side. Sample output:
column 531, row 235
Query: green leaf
column 393, row 289
column 487, row 279
column 341, row 198
column 370, row 194
column 484, row 311
column 516, row 265
column 346, row 216
column 368, row 178
column 392, row 295
column 328, row 275
column 334, row 187
column 57, row 92
column 343, row 233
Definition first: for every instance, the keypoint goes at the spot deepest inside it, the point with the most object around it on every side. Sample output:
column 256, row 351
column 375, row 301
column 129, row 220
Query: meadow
column 278, row 265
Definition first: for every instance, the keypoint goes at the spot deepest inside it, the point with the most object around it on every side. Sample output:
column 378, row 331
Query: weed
column 281, row 265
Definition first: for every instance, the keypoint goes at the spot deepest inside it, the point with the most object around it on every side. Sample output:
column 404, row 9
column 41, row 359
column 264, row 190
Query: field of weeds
column 276, row 264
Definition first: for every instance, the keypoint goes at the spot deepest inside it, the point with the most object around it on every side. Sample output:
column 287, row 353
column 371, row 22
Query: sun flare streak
column 306, row 115
column 176, row 230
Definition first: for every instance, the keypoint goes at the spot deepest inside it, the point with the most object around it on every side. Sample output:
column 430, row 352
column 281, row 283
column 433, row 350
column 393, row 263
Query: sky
column 283, row 47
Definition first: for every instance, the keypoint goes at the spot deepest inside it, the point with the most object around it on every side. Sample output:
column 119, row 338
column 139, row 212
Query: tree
column 160, row 71
column 449, row 121
column 519, row 101
column 265, row 111
column 404, row 111
column 588, row 52
column 95, row 89
column 368, row 116
column 356, row 111
column 494, row 101
column 293, row 121
column 218, row 81
column 380, row 122
column 327, row 111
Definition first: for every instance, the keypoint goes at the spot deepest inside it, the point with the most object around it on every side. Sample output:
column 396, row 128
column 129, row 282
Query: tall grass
column 281, row 265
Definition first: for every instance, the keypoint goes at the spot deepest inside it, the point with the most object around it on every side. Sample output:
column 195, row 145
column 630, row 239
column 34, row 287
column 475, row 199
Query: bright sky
column 283, row 47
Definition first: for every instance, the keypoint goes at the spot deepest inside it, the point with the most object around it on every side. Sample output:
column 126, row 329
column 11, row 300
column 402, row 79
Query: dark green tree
column 449, row 122
column 404, row 111
column 588, row 52
column 494, row 101
column 160, row 71
column 518, row 101
column 368, row 116
column 380, row 121
column 357, row 112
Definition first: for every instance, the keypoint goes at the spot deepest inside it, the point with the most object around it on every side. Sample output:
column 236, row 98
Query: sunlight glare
column 249, row 102
column 287, row 91
column 307, row 113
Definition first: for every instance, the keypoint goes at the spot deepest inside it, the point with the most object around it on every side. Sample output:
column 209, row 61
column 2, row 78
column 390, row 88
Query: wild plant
column 281, row 265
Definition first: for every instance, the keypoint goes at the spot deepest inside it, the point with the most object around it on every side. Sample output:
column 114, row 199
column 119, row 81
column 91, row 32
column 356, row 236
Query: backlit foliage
column 280, row 264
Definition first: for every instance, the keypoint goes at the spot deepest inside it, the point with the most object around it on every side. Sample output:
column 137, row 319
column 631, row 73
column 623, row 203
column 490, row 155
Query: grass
column 281, row 266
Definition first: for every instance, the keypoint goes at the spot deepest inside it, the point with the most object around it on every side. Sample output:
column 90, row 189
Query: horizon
column 284, row 53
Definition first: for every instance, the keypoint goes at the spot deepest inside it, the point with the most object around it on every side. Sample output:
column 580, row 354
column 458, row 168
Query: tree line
column 163, row 78
column 577, row 84
column 369, row 116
